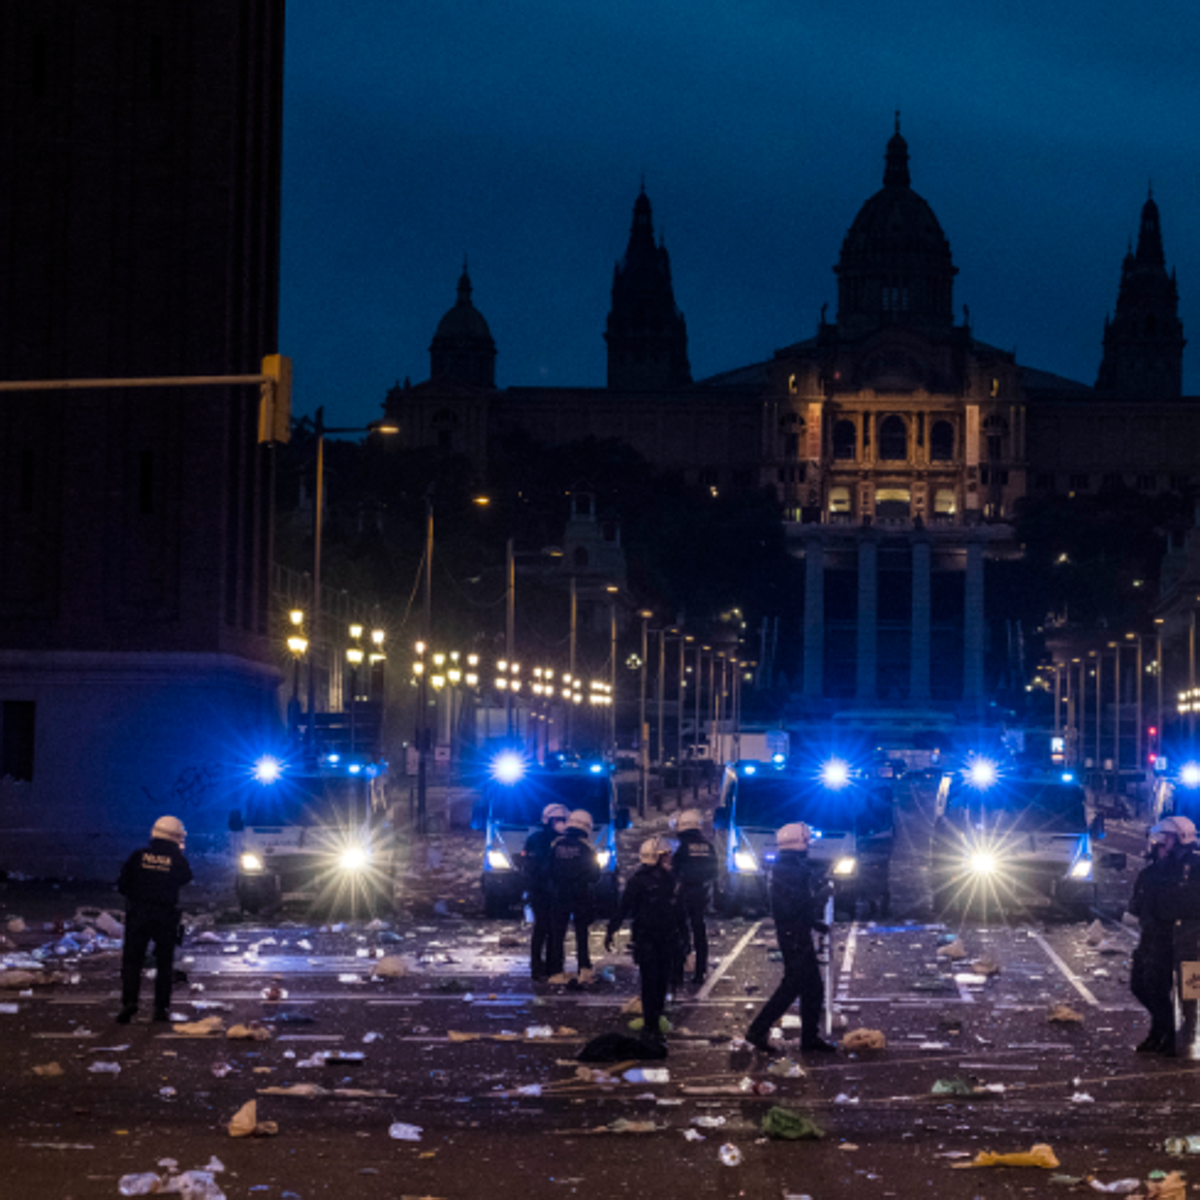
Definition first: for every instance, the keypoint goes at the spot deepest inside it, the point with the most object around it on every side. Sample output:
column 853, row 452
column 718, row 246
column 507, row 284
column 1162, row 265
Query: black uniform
column 1159, row 899
column 150, row 882
column 536, row 864
column 574, row 871
column 652, row 901
column 797, row 899
column 694, row 864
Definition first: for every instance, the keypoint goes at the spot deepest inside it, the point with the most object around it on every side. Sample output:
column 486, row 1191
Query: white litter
column 106, row 1068
column 405, row 1133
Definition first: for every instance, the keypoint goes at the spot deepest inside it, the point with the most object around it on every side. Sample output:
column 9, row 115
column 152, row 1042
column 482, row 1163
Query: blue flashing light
column 354, row 768
column 268, row 769
column 981, row 773
column 779, row 759
column 596, row 768
column 508, row 767
column 835, row 773
column 1068, row 777
column 1189, row 774
column 749, row 769
column 333, row 758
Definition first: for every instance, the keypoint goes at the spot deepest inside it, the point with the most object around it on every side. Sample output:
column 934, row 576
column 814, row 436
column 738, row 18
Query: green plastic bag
column 792, row 1126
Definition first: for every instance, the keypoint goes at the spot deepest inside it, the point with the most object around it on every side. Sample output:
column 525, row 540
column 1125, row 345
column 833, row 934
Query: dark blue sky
column 518, row 133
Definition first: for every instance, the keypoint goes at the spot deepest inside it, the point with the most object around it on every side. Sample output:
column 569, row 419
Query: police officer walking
column 695, row 866
column 536, row 864
column 150, row 882
column 574, row 870
column 651, row 900
column 1157, row 902
column 798, row 894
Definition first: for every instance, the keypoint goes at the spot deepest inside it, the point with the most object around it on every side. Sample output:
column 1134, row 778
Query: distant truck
column 750, row 745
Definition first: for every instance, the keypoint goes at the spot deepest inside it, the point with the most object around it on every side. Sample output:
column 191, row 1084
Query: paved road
column 457, row 1046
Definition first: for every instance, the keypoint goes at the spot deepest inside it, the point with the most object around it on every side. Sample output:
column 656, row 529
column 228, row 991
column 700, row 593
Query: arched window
column 845, row 440
column 941, row 441
column 893, row 439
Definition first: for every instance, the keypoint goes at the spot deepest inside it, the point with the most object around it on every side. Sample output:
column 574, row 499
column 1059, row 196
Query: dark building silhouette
column 896, row 442
column 139, row 237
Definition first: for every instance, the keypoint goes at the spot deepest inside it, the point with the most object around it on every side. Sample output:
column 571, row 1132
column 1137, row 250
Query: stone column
column 918, row 666
column 868, row 607
column 814, row 618
column 973, row 624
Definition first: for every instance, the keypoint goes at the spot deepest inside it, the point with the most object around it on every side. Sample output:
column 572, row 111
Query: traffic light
column 1152, row 744
column 275, row 401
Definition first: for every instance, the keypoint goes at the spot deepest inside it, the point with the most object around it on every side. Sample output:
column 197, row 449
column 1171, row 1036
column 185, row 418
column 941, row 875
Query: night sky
column 517, row 134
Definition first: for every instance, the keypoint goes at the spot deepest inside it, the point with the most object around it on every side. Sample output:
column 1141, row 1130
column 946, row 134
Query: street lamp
column 297, row 644
column 643, row 740
column 320, row 432
column 354, row 657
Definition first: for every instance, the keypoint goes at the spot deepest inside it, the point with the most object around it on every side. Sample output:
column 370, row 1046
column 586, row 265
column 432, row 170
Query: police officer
column 798, row 893
column 574, row 870
column 1157, row 902
column 695, row 866
column 536, row 863
column 651, row 900
column 150, row 881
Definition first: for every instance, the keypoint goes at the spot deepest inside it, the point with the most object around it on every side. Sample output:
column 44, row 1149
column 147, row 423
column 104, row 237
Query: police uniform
column 651, row 901
column 797, row 897
column 694, row 864
column 536, row 863
column 574, row 871
column 150, row 881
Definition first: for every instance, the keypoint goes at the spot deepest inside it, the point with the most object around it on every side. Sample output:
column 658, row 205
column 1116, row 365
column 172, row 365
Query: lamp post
column 613, row 591
column 354, row 656
column 297, row 644
column 320, row 432
column 1158, row 679
column 643, row 748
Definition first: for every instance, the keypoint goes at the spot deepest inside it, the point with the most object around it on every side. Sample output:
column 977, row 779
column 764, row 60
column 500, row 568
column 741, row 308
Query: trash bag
column 617, row 1047
column 790, row 1125
column 1038, row 1155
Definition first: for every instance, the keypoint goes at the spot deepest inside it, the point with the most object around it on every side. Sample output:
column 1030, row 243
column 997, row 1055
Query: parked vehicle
column 851, row 815
column 510, row 808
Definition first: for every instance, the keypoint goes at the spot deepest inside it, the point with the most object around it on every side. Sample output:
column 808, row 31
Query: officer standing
column 798, row 894
column 536, row 863
column 574, row 870
column 1156, row 902
column 651, row 900
column 150, row 882
column 695, row 866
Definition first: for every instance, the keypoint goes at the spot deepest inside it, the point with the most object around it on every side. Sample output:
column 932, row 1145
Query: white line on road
column 727, row 961
column 847, row 970
column 1070, row 975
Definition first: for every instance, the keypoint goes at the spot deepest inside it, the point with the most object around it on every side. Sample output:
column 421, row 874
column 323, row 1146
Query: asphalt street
column 419, row 1060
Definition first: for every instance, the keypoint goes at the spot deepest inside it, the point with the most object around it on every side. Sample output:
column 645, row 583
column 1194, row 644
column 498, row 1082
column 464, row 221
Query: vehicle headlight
column 497, row 860
column 1082, row 869
column 354, row 858
column 844, row 866
column 251, row 864
column 982, row 864
column 743, row 860
column 603, row 857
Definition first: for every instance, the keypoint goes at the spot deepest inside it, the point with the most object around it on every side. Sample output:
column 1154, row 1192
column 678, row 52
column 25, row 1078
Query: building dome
column 895, row 266
column 463, row 348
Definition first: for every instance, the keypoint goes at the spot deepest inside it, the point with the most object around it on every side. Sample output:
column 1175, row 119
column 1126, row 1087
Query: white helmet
column 171, row 829
column 1182, row 827
column 554, row 812
column 794, row 837
column 581, row 819
column 652, row 849
column 688, row 819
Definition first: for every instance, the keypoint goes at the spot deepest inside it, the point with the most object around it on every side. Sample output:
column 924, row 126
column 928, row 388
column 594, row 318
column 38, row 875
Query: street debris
column 648, row 1075
column 1038, row 1155
column 245, row 1123
column 1119, row 1187
column 788, row 1125
column 48, row 1070
column 390, row 967
column 105, row 1068
column 953, row 950
column 1063, row 1014
column 787, row 1067
column 253, row 1032
column 730, row 1155
column 405, row 1133
column 1177, row 1147
column 864, row 1039
column 310, row 1091
column 985, row 966
column 205, row 1027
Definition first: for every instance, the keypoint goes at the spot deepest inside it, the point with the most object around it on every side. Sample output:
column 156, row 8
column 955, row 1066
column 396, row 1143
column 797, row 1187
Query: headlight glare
column 982, row 864
column 251, row 864
column 743, row 860
column 603, row 857
column 1082, row 869
column 354, row 858
column 844, row 866
column 497, row 860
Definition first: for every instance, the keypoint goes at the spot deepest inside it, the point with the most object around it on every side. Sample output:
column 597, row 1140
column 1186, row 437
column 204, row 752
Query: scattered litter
column 10, row 1009
column 253, row 1032
column 539, row 1031
column 708, row 1122
column 693, row 1135
column 144, row 1184
column 934, row 1046
column 985, row 966
column 847, row 1146
column 787, row 1067
column 953, row 950
column 864, row 1039
column 1038, row 1155
column 368, row 1038
column 1063, row 1013
column 843, row 1098
column 389, row 967
column 167, row 1093
column 105, row 1068
column 201, row 1028
column 16, row 925
column 1169, row 1187
column 790, row 1125
column 404, row 1133
column 731, row 1156
column 648, row 1075
column 245, row 1123
column 1094, row 934
column 1119, row 1187
column 1082, row 1098
column 1179, row 1146
column 48, row 1070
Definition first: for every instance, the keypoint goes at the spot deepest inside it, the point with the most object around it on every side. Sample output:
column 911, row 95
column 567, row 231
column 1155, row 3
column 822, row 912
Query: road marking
column 847, row 969
column 1070, row 975
column 727, row 961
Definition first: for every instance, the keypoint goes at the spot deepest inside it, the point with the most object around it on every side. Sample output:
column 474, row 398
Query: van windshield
column 521, row 804
column 1026, row 805
column 298, row 800
column 771, row 801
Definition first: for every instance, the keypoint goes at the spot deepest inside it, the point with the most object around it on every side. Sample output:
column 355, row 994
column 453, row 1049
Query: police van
column 850, row 812
column 510, row 808
column 1177, row 794
column 317, row 834
column 1008, row 838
